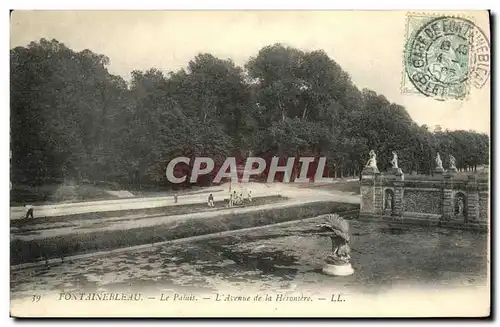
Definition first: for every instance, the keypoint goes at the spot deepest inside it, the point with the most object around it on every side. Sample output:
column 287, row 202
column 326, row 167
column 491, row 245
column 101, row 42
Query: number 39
column 36, row 298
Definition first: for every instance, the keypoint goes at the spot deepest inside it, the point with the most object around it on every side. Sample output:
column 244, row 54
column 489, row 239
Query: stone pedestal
column 338, row 270
column 371, row 192
column 396, row 171
column 452, row 170
column 447, row 197
column 398, row 199
column 378, row 204
column 395, row 174
column 370, row 171
column 484, row 176
column 438, row 170
column 472, row 199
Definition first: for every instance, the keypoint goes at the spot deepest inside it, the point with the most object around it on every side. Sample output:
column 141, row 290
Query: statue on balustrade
column 394, row 160
column 372, row 162
column 439, row 164
column 453, row 163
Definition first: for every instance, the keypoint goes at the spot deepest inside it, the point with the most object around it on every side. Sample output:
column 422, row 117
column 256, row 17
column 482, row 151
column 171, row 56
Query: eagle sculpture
column 337, row 228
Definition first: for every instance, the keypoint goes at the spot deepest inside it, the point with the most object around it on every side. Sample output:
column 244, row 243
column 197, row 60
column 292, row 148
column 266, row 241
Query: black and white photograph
column 239, row 163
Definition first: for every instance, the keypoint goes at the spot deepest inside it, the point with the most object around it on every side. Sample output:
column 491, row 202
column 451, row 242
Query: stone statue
column 453, row 163
column 372, row 162
column 394, row 160
column 460, row 204
column 338, row 262
column 439, row 162
column 388, row 201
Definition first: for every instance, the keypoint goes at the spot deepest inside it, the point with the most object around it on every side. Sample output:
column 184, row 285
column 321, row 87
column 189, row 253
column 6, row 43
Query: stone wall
column 367, row 198
column 483, row 206
column 427, row 201
column 446, row 197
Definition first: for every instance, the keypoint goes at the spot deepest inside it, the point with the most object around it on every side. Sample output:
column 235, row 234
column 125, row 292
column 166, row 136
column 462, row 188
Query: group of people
column 234, row 198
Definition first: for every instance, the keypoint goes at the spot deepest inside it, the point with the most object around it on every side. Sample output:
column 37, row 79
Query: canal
column 279, row 257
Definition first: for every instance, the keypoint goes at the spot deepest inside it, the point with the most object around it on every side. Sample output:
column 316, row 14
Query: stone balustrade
column 444, row 197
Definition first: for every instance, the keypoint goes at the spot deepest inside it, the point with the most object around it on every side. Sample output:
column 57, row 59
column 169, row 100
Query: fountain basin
column 338, row 270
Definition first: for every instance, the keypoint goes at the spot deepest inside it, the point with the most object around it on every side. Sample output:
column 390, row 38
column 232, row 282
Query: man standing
column 211, row 200
column 230, row 200
column 29, row 213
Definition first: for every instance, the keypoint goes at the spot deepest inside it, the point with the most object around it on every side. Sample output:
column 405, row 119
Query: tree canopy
column 71, row 118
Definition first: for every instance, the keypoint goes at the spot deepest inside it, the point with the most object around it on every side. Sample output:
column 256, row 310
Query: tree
column 71, row 118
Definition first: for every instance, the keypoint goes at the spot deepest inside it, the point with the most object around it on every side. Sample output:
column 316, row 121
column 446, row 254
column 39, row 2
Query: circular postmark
column 447, row 55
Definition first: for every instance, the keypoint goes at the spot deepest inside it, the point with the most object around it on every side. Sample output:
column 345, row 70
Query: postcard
column 250, row 164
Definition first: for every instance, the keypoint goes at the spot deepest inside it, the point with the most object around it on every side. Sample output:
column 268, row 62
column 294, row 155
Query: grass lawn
column 31, row 224
column 56, row 193
column 64, row 193
column 143, row 193
column 343, row 186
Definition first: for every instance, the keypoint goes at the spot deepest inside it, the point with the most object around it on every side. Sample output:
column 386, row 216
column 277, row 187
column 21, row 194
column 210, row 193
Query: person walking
column 29, row 213
column 211, row 200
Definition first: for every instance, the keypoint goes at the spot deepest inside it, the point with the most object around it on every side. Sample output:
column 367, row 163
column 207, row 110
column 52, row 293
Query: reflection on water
column 279, row 257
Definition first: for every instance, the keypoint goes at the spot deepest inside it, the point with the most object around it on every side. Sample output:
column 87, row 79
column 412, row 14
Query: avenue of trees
column 71, row 118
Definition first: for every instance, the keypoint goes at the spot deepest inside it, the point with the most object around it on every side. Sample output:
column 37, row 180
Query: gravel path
column 258, row 189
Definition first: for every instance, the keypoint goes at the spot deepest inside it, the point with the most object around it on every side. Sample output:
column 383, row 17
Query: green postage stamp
column 444, row 57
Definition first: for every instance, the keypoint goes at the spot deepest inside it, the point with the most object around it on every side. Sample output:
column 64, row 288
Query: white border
column 199, row 4
column 255, row 4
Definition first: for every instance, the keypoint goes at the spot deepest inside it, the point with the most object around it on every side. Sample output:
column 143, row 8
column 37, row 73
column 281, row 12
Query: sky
column 368, row 45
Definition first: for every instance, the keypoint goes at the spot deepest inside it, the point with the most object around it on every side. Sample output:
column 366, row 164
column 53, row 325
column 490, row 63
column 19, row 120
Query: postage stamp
column 444, row 57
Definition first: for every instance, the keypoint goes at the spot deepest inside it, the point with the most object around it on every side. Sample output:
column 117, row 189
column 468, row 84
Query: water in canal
column 385, row 256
